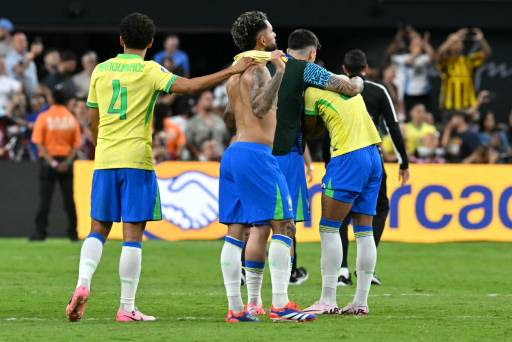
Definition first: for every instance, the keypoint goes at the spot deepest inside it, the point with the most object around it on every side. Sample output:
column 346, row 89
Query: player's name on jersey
column 121, row 67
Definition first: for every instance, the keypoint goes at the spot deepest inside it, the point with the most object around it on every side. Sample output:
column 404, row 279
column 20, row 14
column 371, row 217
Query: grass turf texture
column 455, row 292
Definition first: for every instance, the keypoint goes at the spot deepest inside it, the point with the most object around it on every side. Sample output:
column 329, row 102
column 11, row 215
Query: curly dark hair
column 246, row 27
column 137, row 30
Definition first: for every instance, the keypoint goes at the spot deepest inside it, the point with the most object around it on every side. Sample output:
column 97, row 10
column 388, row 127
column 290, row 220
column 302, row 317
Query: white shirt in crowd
column 29, row 77
column 8, row 87
column 412, row 80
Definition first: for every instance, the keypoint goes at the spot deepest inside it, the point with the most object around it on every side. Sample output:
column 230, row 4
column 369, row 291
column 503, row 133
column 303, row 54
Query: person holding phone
column 457, row 68
column 20, row 62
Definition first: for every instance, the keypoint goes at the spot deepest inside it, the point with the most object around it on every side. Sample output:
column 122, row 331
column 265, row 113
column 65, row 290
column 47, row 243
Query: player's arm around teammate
column 122, row 94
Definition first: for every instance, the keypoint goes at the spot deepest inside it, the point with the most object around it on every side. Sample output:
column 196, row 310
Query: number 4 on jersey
column 116, row 91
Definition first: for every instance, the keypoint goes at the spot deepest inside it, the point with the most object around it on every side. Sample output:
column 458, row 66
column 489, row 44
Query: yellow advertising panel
column 441, row 203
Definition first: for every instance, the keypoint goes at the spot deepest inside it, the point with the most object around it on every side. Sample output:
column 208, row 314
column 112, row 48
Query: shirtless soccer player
column 122, row 94
column 351, row 183
column 289, row 142
column 253, row 191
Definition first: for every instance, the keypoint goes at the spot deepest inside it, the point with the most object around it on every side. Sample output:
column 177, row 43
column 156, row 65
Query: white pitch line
column 51, row 319
column 192, row 318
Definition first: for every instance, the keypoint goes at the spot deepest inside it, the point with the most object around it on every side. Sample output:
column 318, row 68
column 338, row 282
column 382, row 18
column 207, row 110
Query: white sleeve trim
column 389, row 98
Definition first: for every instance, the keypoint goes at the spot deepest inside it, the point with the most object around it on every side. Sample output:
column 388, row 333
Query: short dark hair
column 246, row 27
column 59, row 94
column 137, row 30
column 301, row 39
column 355, row 61
column 467, row 118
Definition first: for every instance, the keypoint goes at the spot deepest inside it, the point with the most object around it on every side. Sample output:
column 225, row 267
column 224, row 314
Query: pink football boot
column 76, row 305
column 133, row 316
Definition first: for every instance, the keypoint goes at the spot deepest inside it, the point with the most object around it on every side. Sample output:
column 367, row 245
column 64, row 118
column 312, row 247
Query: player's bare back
column 252, row 98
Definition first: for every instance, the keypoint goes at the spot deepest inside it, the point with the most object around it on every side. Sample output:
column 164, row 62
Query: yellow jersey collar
column 129, row 56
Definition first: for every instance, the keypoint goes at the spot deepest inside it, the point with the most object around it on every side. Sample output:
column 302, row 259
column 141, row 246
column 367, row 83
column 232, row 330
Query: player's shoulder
column 314, row 91
column 152, row 66
column 375, row 88
column 254, row 73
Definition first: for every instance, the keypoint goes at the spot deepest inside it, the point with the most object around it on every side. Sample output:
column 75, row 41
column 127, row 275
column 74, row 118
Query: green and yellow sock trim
column 363, row 231
column 329, row 226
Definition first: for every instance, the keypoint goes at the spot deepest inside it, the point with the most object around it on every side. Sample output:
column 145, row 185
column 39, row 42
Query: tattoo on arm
column 264, row 94
column 344, row 85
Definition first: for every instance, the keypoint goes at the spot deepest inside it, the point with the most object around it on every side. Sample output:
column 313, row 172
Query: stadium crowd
column 454, row 124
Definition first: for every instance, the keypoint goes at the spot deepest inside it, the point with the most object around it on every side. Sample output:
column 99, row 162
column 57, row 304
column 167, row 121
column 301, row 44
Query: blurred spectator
column 82, row 80
column 417, row 132
column 373, row 73
column 209, row 151
column 429, row 151
column 65, row 69
column 6, row 28
column 175, row 139
column 86, row 150
column 57, row 135
column 220, row 98
column 459, row 141
column 412, row 71
column 4, row 123
column 484, row 97
column 20, row 62
column 398, row 44
column 159, row 149
column 388, row 77
column 163, row 109
column 8, row 87
column 179, row 58
column 168, row 63
column 457, row 67
column 491, row 136
column 205, row 125
column 51, row 62
column 507, row 132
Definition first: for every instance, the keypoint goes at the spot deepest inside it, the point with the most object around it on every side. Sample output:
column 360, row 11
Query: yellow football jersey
column 124, row 89
column 346, row 118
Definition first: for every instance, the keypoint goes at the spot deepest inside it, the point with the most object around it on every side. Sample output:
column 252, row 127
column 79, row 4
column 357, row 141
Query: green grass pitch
column 430, row 292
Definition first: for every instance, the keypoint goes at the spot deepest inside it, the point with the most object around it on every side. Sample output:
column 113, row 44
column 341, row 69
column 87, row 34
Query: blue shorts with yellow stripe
column 355, row 178
column 252, row 188
column 292, row 166
column 130, row 195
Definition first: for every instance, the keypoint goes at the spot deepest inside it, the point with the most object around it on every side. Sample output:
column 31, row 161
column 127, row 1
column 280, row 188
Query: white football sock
column 365, row 263
column 331, row 259
column 279, row 264
column 90, row 256
column 231, row 265
column 129, row 273
column 253, row 280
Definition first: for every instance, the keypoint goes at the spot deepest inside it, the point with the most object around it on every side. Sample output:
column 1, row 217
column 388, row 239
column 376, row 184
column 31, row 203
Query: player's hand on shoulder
column 242, row 64
column 358, row 83
column 277, row 59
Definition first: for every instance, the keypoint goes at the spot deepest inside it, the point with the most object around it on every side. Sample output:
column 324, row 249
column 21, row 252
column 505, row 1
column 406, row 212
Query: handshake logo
column 190, row 200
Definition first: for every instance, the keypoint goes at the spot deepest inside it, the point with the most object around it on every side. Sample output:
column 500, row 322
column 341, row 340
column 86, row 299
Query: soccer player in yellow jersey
column 122, row 95
column 351, row 184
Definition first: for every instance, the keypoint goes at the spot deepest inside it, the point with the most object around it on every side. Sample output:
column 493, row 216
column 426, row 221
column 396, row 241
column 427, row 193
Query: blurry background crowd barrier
column 449, row 75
